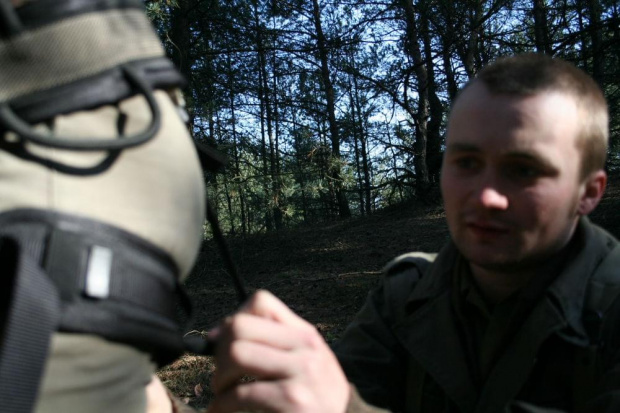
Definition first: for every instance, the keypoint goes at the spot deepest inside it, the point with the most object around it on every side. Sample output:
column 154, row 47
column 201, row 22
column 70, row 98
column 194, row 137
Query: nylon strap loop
column 74, row 49
column 32, row 314
column 12, row 122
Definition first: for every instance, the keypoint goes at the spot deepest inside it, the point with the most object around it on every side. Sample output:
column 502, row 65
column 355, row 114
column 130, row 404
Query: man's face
column 510, row 177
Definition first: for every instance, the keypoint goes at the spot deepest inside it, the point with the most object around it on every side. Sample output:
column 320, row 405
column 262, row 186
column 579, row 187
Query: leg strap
column 31, row 313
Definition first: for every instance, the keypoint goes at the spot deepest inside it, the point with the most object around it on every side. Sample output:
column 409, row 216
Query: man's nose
column 491, row 197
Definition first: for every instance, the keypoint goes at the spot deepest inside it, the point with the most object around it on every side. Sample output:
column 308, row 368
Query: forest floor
column 323, row 272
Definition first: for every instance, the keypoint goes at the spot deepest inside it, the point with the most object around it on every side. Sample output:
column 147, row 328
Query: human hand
column 157, row 398
column 295, row 369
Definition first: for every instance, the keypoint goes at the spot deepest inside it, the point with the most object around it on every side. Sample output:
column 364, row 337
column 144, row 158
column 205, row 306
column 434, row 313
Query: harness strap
column 54, row 61
column 71, row 48
column 35, row 14
column 111, row 283
column 30, row 314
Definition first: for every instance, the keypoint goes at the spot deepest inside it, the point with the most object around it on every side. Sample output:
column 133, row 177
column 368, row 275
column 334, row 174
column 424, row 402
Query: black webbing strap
column 11, row 121
column 30, row 314
column 111, row 283
column 10, row 24
column 43, row 12
column 42, row 79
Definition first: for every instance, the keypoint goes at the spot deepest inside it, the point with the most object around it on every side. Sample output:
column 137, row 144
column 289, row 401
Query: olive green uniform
column 425, row 341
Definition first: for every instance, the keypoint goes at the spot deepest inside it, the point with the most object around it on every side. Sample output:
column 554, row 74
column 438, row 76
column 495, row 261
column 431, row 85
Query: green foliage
column 257, row 90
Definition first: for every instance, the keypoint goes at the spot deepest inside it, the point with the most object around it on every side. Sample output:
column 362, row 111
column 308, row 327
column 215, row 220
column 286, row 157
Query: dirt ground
column 323, row 273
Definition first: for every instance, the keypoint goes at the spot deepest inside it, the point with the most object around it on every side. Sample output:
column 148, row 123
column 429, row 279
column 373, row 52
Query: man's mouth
column 486, row 229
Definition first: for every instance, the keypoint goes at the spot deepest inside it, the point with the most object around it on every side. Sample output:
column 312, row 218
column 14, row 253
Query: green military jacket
column 404, row 351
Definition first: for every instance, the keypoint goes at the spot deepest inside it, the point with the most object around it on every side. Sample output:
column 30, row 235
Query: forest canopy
column 327, row 109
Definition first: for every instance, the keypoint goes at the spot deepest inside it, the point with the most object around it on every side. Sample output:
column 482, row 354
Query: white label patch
column 98, row 273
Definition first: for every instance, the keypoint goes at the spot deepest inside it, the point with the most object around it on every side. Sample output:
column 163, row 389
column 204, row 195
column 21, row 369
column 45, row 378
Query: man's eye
column 467, row 164
column 523, row 171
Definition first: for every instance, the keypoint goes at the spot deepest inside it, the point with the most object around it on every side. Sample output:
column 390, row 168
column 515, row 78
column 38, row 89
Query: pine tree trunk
column 421, row 122
column 335, row 169
column 541, row 28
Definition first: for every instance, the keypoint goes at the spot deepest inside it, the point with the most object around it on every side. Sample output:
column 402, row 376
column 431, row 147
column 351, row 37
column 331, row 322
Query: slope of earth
column 323, row 272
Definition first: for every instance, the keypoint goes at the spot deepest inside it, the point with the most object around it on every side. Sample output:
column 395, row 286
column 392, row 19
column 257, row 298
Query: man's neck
column 497, row 285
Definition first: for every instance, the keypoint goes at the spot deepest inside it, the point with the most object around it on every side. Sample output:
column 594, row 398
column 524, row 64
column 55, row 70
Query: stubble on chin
column 18, row 3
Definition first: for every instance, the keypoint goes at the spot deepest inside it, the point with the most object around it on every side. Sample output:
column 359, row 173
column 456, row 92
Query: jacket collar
column 567, row 292
column 437, row 280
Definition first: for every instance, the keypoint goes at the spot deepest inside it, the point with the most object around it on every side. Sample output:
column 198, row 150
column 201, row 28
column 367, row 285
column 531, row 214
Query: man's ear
column 593, row 190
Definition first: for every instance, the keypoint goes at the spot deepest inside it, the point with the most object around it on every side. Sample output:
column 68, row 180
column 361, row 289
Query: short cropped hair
column 532, row 73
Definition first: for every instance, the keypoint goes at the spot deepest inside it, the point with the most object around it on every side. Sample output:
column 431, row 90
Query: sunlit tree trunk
column 265, row 119
column 585, row 40
column 231, row 214
column 335, row 169
column 180, row 37
column 449, row 72
column 275, row 152
column 412, row 48
column 365, row 162
column 236, row 149
column 595, row 30
column 433, row 149
column 299, row 155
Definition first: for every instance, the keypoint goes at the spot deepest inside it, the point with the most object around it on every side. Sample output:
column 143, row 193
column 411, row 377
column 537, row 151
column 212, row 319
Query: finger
column 263, row 396
column 243, row 358
column 265, row 304
column 157, row 398
column 248, row 327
